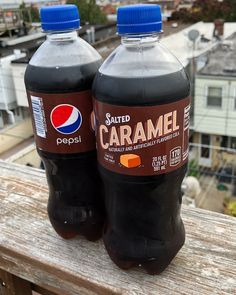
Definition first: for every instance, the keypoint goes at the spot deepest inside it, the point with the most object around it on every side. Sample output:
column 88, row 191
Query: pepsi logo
column 66, row 118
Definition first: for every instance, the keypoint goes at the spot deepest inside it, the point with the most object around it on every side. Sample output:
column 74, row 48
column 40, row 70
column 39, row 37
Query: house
column 9, row 4
column 10, row 110
column 12, row 78
column 108, row 9
column 215, row 107
column 178, row 43
column 184, row 49
column 165, row 4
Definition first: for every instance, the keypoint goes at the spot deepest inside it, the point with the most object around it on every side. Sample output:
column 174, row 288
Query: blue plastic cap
column 60, row 17
column 141, row 18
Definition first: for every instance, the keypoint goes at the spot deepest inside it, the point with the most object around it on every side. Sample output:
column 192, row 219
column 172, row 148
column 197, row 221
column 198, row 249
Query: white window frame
column 234, row 98
column 206, row 96
column 230, row 142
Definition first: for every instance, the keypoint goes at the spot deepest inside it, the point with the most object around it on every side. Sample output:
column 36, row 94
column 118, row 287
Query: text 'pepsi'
column 58, row 84
column 69, row 141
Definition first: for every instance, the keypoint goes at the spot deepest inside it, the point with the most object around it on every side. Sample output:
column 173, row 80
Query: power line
column 229, row 150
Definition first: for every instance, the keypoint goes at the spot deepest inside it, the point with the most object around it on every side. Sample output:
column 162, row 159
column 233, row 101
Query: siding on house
column 215, row 120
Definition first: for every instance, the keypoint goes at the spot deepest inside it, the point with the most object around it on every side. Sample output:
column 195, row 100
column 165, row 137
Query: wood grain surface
column 12, row 285
column 30, row 249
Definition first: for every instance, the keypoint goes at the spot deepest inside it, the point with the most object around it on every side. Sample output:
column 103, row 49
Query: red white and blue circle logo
column 66, row 118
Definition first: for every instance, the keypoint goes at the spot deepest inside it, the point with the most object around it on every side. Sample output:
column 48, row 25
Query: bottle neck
column 130, row 40
column 63, row 36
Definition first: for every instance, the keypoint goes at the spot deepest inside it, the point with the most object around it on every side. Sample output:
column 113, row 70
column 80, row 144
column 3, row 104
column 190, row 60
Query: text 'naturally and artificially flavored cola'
column 58, row 80
column 142, row 123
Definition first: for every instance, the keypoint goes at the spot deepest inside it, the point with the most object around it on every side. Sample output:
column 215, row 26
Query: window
column 214, row 97
column 233, row 143
column 205, row 141
column 235, row 98
column 228, row 142
column 224, row 141
column 17, row 111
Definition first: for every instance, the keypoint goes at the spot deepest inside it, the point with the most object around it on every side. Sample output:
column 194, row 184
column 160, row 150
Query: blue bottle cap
column 141, row 18
column 60, row 17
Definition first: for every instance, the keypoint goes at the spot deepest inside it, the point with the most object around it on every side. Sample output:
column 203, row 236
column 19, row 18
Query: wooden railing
column 32, row 256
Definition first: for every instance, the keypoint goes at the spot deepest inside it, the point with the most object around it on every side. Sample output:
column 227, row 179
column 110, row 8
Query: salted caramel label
column 147, row 140
column 62, row 122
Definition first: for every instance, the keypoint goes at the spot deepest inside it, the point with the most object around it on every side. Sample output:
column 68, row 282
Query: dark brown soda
column 75, row 204
column 143, row 227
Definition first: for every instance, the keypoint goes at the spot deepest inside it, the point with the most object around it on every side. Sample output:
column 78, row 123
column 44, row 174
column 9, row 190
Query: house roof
column 222, row 61
column 180, row 45
column 8, row 4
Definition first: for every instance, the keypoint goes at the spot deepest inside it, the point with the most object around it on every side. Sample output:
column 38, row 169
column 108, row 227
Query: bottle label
column 147, row 140
column 62, row 122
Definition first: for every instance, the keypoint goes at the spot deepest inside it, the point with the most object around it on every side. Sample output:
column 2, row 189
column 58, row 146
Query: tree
column 89, row 11
column 230, row 10
column 34, row 14
column 27, row 11
column 209, row 10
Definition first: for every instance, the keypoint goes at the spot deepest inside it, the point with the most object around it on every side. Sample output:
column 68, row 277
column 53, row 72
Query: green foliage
column 34, row 14
column 208, row 11
column 222, row 187
column 231, row 208
column 26, row 12
column 226, row 201
column 193, row 169
column 89, row 11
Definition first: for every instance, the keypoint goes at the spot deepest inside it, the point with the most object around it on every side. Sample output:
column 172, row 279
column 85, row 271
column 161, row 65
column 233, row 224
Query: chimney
column 219, row 28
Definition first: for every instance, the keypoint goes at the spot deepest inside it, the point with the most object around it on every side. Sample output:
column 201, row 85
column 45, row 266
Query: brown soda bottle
column 142, row 115
column 58, row 81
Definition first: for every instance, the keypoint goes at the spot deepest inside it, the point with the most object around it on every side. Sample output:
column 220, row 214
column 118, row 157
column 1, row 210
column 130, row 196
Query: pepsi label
column 62, row 122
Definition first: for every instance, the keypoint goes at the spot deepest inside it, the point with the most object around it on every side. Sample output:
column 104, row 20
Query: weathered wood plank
column 29, row 248
column 41, row 290
column 12, row 285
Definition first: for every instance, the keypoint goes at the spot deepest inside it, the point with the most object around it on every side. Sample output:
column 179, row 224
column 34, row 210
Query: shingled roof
column 222, row 59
